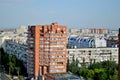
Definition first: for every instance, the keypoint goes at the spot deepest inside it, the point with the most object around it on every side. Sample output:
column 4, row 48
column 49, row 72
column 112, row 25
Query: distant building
column 85, row 31
column 112, row 43
column 99, row 31
column 100, row 42
column 21, row 30
column 89, row 31
column 7, row 30
column 2, row 40
column 113, row 32
column 86, row 42
column 113, row 37
column 74, row 30
column 46, row 50
column 10, row 34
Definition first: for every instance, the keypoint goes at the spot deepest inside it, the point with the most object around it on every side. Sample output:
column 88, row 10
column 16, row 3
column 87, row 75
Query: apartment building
column 88, row 42
column 2, row 40
column 21, row 30
column 99, row 31
column 93, row 54
column 12, row 47
column 46, row 50
column 89, row 31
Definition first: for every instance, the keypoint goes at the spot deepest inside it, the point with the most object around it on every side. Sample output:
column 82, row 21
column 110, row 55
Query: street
column 3, row 77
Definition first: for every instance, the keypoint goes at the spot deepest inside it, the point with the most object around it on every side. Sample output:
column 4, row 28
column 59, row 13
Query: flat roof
column 64, row 76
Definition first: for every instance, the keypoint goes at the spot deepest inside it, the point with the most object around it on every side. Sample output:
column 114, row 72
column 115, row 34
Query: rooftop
column 64, row 76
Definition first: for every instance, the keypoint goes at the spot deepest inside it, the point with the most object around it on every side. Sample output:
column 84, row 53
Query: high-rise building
column 46, row 50
column 99, row 31
column 119, row 57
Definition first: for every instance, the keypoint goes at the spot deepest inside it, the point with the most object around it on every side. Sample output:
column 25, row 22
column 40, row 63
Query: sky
column 71, row 13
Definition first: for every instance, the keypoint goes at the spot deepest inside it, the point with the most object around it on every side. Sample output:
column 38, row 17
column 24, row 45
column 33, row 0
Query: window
column 59, row 62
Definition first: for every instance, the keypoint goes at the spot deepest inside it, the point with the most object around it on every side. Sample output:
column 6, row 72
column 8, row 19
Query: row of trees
column 12, row 65
column 106, row 70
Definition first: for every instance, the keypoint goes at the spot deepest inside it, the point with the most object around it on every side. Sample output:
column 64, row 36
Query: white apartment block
column 12, row 35
column 93, row 54
column 21, row 30
column 2, row 39
column 13, row 48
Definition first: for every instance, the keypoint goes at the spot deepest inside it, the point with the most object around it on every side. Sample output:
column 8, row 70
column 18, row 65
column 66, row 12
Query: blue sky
column 72, row 13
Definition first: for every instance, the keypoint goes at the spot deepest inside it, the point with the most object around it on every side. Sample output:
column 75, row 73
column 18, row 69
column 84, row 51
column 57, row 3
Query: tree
column 83, row 64
column 74, row 65
column 11, row 67
column 9, row 62
column 68, row 65
column 20, row 77
column 76, row 62
column 100, row 71
column 114, row 76
column 83, row 72
column 95, row 65
column 17, row 70
column 90, row 74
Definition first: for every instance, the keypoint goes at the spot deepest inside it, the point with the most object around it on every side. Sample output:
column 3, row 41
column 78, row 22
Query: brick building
column 99, row 31
column 46, row 50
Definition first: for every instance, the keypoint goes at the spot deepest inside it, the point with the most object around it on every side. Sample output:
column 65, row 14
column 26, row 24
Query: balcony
column 30, row 42
column 31, row 45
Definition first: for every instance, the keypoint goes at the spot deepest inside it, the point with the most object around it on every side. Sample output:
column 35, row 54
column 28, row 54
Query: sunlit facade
column 46, row 50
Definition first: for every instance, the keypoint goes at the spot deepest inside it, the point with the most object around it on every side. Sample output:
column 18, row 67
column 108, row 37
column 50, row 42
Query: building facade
column 3, row 39
column 89, row 31
column 46, row 50
column 12, row 47
column 20, row 30
column 99, row 31
column 112, row 43
column 91, row 55
column 86, row 42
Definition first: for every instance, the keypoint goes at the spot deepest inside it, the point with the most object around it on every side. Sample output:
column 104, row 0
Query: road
column 3, row 77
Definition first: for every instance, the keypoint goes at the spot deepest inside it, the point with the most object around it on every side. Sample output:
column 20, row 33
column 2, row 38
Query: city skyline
column 74, row 13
